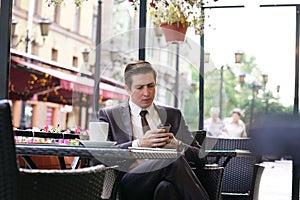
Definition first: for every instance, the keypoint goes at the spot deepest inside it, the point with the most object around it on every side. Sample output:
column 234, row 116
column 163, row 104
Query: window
column 28, row 115
column 56, row 15
column 34, row 49
column 49, row 116
column 75, row 61
column 54, row 54
column 16, row 3
column 37, row 8
column 77, row 19
column 94, row 28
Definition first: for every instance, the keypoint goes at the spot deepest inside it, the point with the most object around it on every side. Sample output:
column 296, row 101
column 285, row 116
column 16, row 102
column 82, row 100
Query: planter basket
column 174, row 32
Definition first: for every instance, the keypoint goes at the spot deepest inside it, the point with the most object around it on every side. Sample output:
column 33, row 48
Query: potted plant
column 179, row 14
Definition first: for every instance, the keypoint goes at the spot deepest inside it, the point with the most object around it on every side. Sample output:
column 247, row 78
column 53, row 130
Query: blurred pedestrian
column 214, row 125
column 234, row 126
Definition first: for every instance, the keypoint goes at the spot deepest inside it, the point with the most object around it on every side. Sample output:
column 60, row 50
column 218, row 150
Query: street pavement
column 276, row 181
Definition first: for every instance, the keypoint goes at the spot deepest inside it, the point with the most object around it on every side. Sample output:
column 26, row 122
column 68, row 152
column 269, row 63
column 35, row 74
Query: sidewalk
column 276, row 181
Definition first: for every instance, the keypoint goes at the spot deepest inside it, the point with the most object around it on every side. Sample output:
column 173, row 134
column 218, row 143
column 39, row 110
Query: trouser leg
column 166, row 190
column 141, row 182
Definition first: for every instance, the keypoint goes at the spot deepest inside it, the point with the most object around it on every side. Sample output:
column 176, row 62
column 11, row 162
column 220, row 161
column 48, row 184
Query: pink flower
column 77, row 130
column 46, row 128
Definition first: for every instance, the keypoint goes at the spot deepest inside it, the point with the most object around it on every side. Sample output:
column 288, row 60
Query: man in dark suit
column 134, row 124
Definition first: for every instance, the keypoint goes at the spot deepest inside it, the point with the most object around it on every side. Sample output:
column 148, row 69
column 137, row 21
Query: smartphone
column 167, row 127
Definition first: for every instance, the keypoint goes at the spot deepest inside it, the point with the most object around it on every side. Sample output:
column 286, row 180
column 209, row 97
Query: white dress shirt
column 152, row 118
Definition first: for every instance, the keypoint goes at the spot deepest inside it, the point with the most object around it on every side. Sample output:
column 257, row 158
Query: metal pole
column 252, row 105
column 176, row 77
column 86, row 124
column 23, row 107
column 80, row 110
column 267, row 103
column 27, row 40
column 5, row 24
column 97, row 78
column 295, row 179
column 142, row 29
column 296, row 97
column 201, row 84
column 221, row 91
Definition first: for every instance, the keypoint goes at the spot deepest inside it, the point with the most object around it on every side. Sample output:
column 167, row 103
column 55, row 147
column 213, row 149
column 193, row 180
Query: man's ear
column 127, row 89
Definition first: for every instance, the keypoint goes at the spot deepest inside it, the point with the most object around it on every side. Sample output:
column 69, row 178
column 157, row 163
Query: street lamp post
column 255, row 88
column 85, row 55
column 44, row 25
column 97, row 64
column 266, row 93
column 221, row 90
column 238, row 59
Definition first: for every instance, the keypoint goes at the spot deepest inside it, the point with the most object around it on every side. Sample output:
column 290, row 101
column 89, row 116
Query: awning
column 47, row 84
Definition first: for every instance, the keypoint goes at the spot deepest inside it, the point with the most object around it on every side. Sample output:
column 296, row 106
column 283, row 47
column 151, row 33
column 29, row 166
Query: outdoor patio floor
column 276, row 181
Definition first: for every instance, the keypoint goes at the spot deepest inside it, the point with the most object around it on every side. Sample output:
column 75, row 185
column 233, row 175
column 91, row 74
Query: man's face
column 142, row 90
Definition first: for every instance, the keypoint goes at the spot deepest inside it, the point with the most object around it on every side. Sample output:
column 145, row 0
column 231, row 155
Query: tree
column 240, row 94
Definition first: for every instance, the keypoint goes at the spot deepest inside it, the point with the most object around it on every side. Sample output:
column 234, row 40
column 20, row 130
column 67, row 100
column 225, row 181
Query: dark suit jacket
column 120, row 128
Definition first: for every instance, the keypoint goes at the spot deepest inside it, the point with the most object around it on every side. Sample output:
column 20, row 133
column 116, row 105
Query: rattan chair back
column 8, row 164
column 25, row 184
column 239, row 173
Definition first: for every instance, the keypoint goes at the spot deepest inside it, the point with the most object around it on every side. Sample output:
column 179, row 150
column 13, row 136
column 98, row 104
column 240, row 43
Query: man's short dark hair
column 137, row 67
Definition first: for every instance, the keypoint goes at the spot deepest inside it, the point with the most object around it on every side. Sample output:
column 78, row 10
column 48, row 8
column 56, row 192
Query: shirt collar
column 135, row 109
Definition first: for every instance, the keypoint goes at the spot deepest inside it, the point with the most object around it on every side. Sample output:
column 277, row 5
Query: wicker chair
column 210, row 177
column 27, row 184
column 240, row 173
column 258, row 171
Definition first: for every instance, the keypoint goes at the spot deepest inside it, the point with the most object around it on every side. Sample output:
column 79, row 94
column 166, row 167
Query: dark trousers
column 159, row 179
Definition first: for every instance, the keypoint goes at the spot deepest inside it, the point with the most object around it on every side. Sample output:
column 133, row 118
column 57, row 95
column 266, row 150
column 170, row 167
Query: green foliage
column 188, row 12
column 236, row 94
column 191, row 111
column 78, row 3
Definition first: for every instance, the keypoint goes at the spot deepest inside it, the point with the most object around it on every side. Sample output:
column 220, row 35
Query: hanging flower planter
column 174, row 32
column 187, row 12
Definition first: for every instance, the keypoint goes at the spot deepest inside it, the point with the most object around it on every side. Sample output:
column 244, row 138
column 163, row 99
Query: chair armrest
column 211, row 179
column 79, row 184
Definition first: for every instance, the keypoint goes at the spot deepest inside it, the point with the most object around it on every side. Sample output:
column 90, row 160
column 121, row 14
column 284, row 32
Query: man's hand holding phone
column 172, row 143
column 155, row 138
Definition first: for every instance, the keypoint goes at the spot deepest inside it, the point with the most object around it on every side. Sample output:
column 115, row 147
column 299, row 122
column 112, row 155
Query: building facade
column 72, row 31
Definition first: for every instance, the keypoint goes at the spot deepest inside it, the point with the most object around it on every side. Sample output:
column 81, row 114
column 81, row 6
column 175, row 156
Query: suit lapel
column 125, row 113
column 162, row 112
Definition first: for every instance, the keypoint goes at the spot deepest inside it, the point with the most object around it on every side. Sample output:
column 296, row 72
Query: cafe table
column 80, row 151
column 227, row 153
column 44, row 134
column 27, row 150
